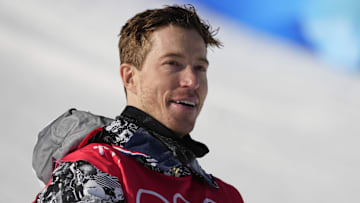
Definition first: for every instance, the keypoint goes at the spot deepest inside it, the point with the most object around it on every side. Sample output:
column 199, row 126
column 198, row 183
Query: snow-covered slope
column 280, row 126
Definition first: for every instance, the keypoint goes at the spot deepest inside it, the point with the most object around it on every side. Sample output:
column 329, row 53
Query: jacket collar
column 162, row 132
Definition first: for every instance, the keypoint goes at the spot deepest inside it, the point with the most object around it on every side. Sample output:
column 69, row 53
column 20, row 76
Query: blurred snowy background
column 281, row 118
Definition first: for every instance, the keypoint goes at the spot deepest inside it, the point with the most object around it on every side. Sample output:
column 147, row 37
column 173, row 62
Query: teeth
column 188, row 103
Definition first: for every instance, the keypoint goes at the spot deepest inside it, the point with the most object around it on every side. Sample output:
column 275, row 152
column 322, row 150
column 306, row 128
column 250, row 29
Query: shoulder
column 229, row 190
column 81, row 181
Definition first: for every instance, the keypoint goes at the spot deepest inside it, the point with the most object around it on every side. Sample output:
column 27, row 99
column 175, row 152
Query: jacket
column 134, row 158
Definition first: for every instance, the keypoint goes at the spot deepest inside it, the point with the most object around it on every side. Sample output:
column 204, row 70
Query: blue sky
column 328, row 29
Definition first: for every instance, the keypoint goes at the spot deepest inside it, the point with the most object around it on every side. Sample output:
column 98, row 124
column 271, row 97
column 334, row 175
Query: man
column 146, row 154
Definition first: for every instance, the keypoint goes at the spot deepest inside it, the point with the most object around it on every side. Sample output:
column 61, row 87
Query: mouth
column 185, row 103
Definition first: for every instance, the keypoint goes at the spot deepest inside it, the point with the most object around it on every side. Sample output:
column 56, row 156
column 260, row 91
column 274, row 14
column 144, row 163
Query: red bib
column 141, row 184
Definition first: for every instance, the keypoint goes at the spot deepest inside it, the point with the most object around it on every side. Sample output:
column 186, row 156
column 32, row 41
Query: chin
column 181, row 125
column 184, row 130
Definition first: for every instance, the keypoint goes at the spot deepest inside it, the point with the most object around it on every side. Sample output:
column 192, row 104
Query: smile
column 186, row 103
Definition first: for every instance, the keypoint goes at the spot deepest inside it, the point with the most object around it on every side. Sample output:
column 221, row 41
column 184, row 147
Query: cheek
column 161, row 89
column 168, row 83
column 204, row 87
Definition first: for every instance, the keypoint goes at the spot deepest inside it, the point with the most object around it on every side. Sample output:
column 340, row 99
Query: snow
column 281, row 126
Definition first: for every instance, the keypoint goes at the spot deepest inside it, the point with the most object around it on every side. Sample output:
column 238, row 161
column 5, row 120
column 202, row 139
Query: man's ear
column 127, row 73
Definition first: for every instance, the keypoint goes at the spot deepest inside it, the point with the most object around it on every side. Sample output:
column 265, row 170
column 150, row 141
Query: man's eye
column 173, row 63
column 201, row 68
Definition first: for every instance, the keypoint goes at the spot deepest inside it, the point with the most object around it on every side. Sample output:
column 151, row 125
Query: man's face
column 171, row 85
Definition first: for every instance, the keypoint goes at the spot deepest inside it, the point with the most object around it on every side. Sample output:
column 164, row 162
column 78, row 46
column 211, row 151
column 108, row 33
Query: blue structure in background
column 329, row 28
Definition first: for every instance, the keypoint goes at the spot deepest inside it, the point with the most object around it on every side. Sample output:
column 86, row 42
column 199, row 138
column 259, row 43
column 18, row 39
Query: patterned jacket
column 96, row 159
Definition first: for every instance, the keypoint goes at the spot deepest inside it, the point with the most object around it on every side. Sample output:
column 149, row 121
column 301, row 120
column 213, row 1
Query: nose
column 189, row 78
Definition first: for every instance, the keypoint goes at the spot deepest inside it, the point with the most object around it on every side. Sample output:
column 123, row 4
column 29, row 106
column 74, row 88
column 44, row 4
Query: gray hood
column 61, row 137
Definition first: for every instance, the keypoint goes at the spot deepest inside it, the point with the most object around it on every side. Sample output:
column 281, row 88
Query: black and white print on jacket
column 120, row 131
column 80, row 181
column 166, row 154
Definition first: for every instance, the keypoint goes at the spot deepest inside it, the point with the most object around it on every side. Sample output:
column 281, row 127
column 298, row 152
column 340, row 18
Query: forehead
column 177, row 39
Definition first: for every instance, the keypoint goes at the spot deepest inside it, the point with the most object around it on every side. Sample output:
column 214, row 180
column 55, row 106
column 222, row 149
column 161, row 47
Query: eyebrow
column 181, row 56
